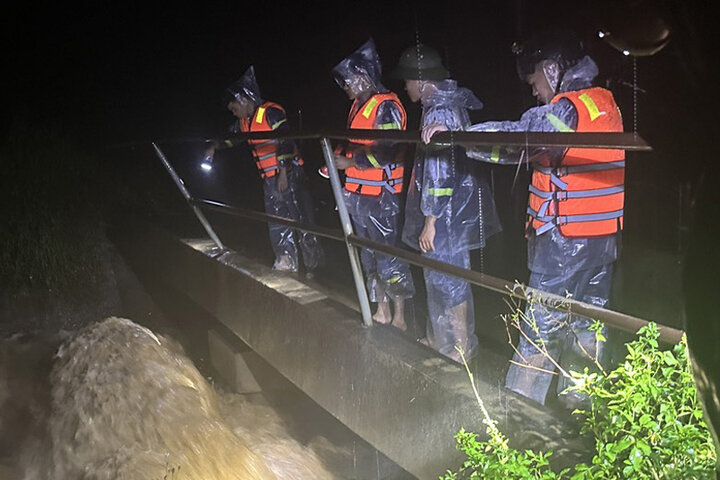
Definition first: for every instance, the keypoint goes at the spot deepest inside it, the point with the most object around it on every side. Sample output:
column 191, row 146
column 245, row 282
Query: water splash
column 127, row 404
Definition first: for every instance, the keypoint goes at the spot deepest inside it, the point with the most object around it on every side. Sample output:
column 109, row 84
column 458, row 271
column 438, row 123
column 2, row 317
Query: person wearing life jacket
column 450, row 208
column 374, row 180
column 279, row 165
column 575, row 208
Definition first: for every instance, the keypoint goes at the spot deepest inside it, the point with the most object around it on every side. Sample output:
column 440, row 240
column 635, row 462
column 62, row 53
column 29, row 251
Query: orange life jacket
column 371, row 181
column 265, row 152
column 584, row 196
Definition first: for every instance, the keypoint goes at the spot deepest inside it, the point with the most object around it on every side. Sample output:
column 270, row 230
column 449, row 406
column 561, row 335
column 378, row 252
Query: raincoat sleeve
column 228, row 141
column 555, row 117
column 277, row 121
column 389, row 117
column 439, row 173
column 286, row 148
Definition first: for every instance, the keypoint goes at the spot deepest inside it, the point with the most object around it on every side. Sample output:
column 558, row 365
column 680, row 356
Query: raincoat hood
column 247, row 87
column 448, row 94
column 360, row 67
column 579, row 76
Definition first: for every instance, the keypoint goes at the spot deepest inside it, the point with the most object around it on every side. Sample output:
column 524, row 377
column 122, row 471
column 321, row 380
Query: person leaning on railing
column 280, row 167
column 575, row 209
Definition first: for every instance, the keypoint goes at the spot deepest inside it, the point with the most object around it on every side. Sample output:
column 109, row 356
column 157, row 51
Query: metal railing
column 624, row 141
column 619, row 141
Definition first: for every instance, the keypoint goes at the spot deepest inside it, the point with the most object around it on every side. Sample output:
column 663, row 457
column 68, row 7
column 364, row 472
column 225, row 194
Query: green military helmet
column 420, row 62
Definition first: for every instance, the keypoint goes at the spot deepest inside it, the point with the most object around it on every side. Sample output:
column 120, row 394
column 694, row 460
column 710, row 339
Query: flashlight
column 206, row 164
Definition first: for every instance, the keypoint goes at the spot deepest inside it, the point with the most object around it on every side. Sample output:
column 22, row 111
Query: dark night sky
column 148, row 71
column 124, row 70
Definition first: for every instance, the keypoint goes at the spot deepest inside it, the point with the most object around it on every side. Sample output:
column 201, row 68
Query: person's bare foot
column 383, row 315
column 285, row 263
column 398, row 320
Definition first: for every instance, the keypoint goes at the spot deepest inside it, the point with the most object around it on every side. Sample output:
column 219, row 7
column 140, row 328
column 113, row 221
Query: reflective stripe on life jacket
column 265, row 151
column 372, row 181
column 584, row 196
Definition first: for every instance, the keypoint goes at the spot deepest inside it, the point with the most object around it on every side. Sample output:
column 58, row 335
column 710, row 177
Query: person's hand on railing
column 282, row 181
column 427, row 236
column 342, row 162
column 430, row 130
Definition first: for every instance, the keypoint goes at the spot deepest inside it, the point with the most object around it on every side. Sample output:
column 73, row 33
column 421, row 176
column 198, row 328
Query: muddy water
column 265, row 433
column 118, row 401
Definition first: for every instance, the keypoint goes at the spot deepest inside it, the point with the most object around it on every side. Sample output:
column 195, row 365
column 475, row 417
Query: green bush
column 645, row 417
column 493, row 459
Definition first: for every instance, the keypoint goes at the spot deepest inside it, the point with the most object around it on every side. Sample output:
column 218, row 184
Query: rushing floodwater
column 118, row 401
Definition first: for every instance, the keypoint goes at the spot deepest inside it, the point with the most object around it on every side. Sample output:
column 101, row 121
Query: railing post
column 347, row 230
column 181, row 186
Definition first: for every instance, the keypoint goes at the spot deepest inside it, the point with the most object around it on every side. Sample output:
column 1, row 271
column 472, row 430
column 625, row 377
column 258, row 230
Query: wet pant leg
column 450, row 306
column 312, row 252
column 579, row 340
column 394, row 274
column 559, row 332
column 282, row 238
column 367, row 259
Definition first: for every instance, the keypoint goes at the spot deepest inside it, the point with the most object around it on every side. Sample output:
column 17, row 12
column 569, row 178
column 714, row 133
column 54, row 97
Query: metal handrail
column 611, row 140
column 513, row 289
column 618, row 320
column 266, row 217
column 347, row 226
column 186, row 194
